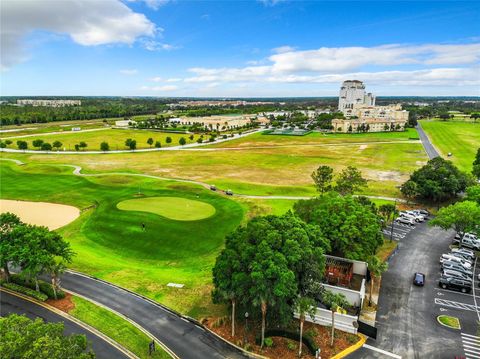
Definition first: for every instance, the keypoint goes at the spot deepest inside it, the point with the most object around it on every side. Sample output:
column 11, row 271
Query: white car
column 406, row 220
column 452, row 258
column 417, row 215
column 464, row 251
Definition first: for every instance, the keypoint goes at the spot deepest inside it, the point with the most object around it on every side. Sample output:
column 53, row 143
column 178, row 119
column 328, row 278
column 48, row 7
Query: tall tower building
column 353, row 92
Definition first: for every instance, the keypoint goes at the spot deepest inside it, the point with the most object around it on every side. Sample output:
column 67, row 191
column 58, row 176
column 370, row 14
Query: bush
column 45, row 287
column 307, row 340
column 30, row 292
column 268, row 342
column 291, row 346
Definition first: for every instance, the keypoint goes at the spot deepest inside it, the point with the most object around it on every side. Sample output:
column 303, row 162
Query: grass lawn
column 462, row 139
column 115, row 327
column 111, row 244
column 386, row 249
column 316, row 138
column 275, row 170
column 114, row 137
column 449, row 321
column 177, row 208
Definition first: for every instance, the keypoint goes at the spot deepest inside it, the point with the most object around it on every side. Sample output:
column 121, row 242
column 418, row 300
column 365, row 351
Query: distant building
column 361, row 114
column 353, row 93
column 124, row 123
column 49, row 103
column 221, row 122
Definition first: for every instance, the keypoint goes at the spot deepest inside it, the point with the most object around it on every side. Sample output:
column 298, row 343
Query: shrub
column 352, row 338
column 268, row 342
column 45, row 287
column 312, row 333
column 30, row 292
column 247, row 347
column 291, row 346
column 307, row 340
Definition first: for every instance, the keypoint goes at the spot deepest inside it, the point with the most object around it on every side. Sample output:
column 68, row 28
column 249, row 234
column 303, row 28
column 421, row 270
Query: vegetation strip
column 449, row 321
column 75, row 320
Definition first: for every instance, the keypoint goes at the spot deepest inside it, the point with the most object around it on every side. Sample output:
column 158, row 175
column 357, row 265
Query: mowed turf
column 177, row 208
column 111, row 244
column 114, row 137
column 462, row 139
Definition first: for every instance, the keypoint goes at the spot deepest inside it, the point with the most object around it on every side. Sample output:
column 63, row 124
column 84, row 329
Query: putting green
column 177, row 208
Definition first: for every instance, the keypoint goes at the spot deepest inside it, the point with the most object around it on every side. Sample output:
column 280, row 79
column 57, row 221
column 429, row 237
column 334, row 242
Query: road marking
column 456, row 305
column 470, row 335
column 473, row 285
column 471, row 345
column 382, row 351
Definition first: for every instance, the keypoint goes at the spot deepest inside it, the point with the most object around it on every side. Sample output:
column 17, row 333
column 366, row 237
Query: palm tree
column 334, row 301
column 304, row 305
column 376, row 268
column 56, row 269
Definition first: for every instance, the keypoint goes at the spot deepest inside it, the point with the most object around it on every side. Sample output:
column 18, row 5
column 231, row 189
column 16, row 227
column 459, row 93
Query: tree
column 82, row 145
column 388, row 211
column 34, row 339
column 304, row 306
column 475, row 116
column 322, row 178
column 168, row 140
column 3, row 144
column 409, row 189
column 77, row 147
column 444, row 116
column 353, row 230
column 132, row 144
column 57, row 145
column 8, row 142
column 349, row 181
column 199, row 140
column 334, row 301
column 37, row 143
column 22, row 145
column 46, row 146
column 462, row 216
column 104, row 146
column 55, row 269
column 150, row 141
column 191, row 137
column 182, row 141
column 9, row 245
column 476, row 165
column 473, row 194
column 438, row 180
column 158, row 144
column 376, row 268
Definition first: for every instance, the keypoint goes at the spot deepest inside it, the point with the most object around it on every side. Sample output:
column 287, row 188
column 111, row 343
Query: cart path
column 427, row 145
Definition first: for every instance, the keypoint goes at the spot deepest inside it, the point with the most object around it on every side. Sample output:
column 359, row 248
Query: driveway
column 13, row 304
column 182, row 336
column 407, row 315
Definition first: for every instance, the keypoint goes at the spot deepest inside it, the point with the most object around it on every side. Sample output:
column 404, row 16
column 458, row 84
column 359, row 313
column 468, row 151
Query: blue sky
column 232, row 48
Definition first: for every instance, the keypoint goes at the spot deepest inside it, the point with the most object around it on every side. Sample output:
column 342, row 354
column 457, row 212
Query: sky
column 250, row 48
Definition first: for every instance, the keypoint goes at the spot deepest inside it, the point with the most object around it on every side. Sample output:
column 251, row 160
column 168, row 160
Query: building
column 353, row 93
column 49, row 103
column 221, row 122
column 361, row 114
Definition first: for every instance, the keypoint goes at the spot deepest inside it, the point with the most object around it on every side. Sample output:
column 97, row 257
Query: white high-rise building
column 353, row 93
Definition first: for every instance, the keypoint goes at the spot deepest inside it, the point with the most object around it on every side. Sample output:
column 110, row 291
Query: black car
column 229, row 192
column 213, row 188
column 419, row 279
column 464, row 286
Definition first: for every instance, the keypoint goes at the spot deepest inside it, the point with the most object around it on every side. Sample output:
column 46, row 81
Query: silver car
column 455, row 274
column 457, row 267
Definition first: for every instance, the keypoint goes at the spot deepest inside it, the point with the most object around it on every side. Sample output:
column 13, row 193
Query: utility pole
column 391, row 227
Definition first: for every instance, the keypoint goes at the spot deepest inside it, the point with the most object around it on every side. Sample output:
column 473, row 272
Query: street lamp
column 391, row 228
column 246, row 328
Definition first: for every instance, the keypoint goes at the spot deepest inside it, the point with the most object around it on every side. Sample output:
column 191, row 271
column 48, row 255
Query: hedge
column 308, row 341
column 45, row 287
column 25, row 290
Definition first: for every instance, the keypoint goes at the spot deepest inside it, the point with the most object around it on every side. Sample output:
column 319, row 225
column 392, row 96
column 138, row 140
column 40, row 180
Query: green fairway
column 177, row 208
column 110, row 243
column 462, row 139
column 114, row 137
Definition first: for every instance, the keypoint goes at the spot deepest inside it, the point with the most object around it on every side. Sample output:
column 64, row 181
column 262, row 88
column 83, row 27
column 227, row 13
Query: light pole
column 246, row 329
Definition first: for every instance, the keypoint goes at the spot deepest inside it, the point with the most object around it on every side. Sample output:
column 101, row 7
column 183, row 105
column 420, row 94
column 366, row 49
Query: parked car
column 452, row 258
column 464, row 286
column 419, row 279
column 213, row 187
column 457, row 267
column 229, row 192
column 465, row 252
column 404, row 220
column 408, row 215
column 418, row 217
column 419, row 212
column 458, row 236
column 469, row 243
column 455, row 274
column 423, row 212
column 462, row 256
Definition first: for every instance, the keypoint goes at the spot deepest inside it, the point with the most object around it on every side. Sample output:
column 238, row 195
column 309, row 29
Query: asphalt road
column 186, row 339
column 406, row 319
column 431, row 151
column 13, row 304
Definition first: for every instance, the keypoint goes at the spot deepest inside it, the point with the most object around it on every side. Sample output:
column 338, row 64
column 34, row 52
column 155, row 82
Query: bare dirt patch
column 51, row 215
column 66, row 304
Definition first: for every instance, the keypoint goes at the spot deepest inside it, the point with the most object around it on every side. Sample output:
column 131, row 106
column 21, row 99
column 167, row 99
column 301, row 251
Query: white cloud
column 271, row 2
column 88, row 23
column 156, row 79
column 174, row 79
column 129, row 72
column 153, row 45
column 159, row 88
column 283, row 49
column 152, row 4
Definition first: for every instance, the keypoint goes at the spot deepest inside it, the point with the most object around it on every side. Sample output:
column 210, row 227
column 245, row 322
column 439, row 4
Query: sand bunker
column 51, row 215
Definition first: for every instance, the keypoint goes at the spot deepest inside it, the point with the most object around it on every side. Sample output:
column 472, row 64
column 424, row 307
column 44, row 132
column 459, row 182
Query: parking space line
column 456, row 305
column 382, row 351
column 460, row 293
column 470, row 335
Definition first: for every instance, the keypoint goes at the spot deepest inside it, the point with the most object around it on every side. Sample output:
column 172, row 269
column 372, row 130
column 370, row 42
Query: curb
column 352, row 348
column 91, row 329
column 447, row 326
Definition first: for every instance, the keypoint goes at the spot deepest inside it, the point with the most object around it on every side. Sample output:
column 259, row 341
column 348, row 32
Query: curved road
column 182, row 335
column 13, row 304
column 427, row 145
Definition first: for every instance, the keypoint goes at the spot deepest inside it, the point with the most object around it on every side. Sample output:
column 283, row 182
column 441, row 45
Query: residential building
column 49, row 103
column 353, row 93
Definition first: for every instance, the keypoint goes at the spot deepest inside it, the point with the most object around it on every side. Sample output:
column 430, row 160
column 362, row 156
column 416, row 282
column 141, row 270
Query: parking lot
column 407, row 315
